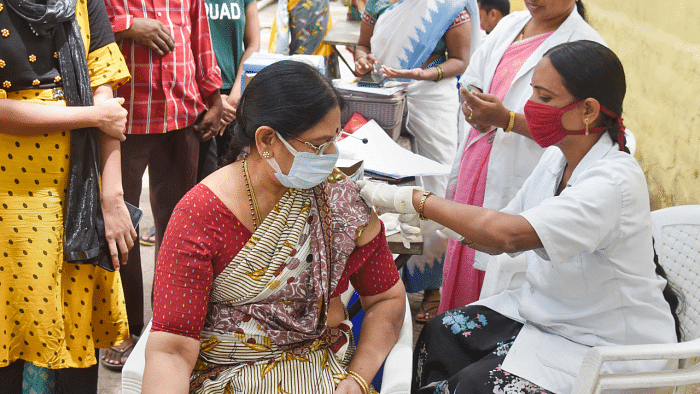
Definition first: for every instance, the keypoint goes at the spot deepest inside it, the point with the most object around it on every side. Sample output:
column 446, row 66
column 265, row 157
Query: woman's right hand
column 365, row 64
column 111, row 117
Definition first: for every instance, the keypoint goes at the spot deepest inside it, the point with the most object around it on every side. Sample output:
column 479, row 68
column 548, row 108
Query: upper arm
column 251, row 37
column 173, row 344
column 105, row 61
column 100, row 29
column 184, row 272
column 397, row 293
column 170, row 359
column 366, row 31
column 371, row 230
column 457, row 40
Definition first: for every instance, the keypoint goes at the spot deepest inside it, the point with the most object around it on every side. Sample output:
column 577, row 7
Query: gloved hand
column 396, row 198
column 448, row 233
column 408, row 225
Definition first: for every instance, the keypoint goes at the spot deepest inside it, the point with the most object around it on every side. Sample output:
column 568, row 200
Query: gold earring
column 586, row 121
column 266, row 154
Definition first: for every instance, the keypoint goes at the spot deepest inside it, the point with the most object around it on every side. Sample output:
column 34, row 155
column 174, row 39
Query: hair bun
column 239, row 133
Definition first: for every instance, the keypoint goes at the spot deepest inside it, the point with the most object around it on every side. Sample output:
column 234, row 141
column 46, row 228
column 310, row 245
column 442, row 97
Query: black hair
column 501, row 5
column 671, row 294
column 590, row 69
column 581, row 9
column 288, row 96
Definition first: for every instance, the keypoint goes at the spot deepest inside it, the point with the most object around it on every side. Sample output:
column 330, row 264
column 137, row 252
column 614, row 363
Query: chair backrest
column 677, row 242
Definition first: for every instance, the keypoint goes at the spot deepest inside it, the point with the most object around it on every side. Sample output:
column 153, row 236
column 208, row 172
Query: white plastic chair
column 677, row 242
column 396, row 378
column 503, row 273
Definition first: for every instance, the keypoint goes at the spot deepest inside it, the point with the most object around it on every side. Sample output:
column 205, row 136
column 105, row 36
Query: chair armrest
column 132, row 372
column 398, row 365
column 500, row 273
column 589, row 374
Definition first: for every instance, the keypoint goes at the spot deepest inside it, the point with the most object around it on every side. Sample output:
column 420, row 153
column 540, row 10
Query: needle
column 364, row 140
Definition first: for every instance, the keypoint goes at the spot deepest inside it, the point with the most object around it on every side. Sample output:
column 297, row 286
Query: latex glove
column 447, row 233
column 396, row 198
column 409, row 226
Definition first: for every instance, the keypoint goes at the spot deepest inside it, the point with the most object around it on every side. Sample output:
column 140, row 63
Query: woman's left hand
column 414, row 73
column 119, row 231
column 348, row 386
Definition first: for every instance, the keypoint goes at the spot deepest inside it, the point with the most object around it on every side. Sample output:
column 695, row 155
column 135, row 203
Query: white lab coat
column 513, row 156
column 594, row 282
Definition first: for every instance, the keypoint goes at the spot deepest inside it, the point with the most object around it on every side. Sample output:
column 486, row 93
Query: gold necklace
column 521, row 36
column 254, row 210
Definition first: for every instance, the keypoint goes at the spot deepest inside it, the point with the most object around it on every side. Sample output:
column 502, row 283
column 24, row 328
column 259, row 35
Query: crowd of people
column 257, row 233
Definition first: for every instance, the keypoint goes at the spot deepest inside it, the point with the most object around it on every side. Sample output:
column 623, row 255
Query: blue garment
column 374, row 8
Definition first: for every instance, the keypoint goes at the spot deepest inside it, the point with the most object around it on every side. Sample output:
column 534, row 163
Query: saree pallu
column 266, row 329
column 407, row 32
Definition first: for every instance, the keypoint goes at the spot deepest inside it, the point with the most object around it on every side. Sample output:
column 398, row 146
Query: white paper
column 384, row 156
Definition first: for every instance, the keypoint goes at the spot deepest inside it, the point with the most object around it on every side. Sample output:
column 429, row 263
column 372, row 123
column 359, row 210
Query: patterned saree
column 265, row 330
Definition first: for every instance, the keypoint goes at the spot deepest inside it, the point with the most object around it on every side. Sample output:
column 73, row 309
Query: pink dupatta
column 461, row 281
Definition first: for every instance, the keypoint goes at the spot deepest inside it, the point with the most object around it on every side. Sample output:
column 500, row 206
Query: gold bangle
column 440, row 73
column 511, row 122
column 360, row 380
column 360, row 57
column 467, row 244
column 421, row 207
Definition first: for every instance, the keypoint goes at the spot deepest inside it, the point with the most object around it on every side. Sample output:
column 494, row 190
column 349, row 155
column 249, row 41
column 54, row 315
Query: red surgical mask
column 544, row 123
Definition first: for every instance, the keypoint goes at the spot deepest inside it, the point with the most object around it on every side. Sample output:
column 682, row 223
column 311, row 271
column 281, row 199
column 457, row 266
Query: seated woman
column 583, row 218
column 254, row 259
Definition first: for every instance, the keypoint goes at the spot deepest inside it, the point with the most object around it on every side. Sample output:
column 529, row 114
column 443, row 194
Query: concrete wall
column 659, row 45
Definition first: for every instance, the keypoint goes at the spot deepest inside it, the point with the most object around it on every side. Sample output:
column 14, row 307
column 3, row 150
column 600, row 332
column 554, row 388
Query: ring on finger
column 470, row 116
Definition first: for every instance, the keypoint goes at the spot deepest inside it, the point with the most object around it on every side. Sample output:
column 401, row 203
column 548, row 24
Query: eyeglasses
column 319, row 149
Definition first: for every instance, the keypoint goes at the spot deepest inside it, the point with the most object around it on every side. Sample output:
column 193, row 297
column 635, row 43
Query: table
column 346, row 33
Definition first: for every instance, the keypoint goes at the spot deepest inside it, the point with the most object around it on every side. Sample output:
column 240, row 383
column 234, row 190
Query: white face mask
column 308, row 169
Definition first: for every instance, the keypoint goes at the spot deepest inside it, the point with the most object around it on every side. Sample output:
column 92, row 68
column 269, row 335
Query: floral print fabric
column 462, row 350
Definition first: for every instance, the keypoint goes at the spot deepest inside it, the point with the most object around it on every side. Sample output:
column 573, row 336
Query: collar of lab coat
column 562, row 34
column 598, row 151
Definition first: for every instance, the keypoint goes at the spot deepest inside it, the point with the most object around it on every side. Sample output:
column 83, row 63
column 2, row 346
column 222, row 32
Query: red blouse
column 203, row 237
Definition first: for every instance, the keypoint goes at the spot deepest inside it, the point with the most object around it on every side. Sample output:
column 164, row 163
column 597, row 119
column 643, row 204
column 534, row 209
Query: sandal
column 428, row 308
column 123, row 354
column 148, row 238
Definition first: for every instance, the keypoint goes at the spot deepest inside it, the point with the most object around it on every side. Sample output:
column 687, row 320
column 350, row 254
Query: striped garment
column 266, row 326
column 166, row 92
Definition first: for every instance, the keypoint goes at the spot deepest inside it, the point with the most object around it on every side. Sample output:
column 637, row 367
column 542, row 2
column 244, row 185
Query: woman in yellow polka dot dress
column 54, row 314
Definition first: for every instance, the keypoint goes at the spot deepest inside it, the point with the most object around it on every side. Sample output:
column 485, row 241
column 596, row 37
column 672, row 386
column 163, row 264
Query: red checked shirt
column 166, row 92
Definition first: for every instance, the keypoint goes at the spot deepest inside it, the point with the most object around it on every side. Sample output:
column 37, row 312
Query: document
column 384, row 157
